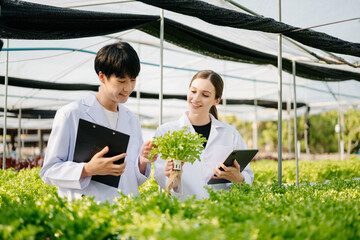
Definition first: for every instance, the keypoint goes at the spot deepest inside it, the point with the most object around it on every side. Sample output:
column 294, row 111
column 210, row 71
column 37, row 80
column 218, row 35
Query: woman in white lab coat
column 204, row 94
column 117, row 66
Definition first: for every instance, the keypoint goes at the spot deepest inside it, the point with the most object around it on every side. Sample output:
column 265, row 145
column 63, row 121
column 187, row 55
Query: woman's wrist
column 239, row 179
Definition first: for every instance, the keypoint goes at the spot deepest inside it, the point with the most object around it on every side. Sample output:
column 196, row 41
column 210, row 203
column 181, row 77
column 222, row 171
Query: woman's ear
column 217, row 101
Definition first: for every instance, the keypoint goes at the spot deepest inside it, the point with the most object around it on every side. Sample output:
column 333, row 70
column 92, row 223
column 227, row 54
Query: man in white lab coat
column 117, row 66
column 203, row 95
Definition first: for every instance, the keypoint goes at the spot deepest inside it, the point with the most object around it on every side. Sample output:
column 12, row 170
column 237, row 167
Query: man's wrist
column 142, row 165
column 84, row 172
column 142, row 161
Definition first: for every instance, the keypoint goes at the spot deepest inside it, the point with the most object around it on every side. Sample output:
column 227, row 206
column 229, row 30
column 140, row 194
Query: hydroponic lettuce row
column 180, row 145
column 30, row 209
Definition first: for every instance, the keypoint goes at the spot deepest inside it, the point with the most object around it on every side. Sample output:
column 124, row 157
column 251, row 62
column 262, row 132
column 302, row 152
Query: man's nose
column 127, row 86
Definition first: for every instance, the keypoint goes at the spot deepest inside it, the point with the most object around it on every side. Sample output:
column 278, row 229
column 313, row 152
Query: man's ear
column 102, row 77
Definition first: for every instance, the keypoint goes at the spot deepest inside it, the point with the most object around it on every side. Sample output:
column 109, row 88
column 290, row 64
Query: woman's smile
column 196, row 106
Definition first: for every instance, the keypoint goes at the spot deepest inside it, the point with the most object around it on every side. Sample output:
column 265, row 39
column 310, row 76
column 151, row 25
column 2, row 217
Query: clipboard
column 91, row 138
column 243, row 157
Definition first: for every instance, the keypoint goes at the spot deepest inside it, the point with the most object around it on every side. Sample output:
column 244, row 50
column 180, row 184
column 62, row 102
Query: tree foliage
column 322, row 137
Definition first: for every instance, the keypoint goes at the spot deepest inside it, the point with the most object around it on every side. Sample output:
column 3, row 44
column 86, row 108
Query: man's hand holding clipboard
column 100, row 165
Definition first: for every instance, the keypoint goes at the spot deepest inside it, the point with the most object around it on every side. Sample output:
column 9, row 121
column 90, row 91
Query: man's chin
column 123, row 99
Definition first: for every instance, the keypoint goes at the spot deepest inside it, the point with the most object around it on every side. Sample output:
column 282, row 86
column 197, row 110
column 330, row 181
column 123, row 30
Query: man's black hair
column 118, row 58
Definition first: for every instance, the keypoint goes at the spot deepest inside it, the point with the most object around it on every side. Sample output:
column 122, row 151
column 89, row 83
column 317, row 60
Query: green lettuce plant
column 180, row 145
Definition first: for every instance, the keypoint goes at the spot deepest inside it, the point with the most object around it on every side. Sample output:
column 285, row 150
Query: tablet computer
column 243, row 157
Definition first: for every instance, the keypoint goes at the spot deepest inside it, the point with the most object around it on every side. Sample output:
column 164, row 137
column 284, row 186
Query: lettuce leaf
column 181, row 145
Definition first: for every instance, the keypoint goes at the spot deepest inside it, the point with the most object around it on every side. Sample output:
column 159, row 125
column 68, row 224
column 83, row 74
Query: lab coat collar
column 96, row 113
column 216, row 125
column 123, row 123
column 95, row 110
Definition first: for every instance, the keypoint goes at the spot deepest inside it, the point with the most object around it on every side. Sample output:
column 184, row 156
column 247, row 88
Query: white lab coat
column 59, row 169
column 223, row 139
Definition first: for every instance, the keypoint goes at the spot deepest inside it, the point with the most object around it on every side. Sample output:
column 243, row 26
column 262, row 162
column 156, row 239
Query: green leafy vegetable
column 181, row 145
column 31, row 209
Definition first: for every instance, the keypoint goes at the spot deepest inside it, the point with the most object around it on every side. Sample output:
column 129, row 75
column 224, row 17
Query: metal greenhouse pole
column 161, row 70
column 338, row 126
column 306, row 129
column 224, row 97
column 255, row 122
column 161, row 66
column 5, row 105
column 340, row 130
column 19, row 132
column 279, row 100
column 295, row 124
column 41, row 141
column 288, row 110
column 138, row 87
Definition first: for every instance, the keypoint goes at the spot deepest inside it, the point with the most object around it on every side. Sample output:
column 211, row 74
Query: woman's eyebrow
column 201, row 90
column 205, row 91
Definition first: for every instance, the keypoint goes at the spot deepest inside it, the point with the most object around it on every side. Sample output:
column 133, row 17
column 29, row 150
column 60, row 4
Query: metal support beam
column 19, row 133
column 279, row 100
column 161, row 66
column 295, row 124
column 5, row 106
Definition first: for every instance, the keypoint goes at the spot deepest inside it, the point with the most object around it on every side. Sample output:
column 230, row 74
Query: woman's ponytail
column 213, row 111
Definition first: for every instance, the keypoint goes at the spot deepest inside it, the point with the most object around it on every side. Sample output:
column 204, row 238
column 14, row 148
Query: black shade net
column 28, row 83
column 32, row 113
column 209, row 45
column 22, row 20
column 230, row 18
